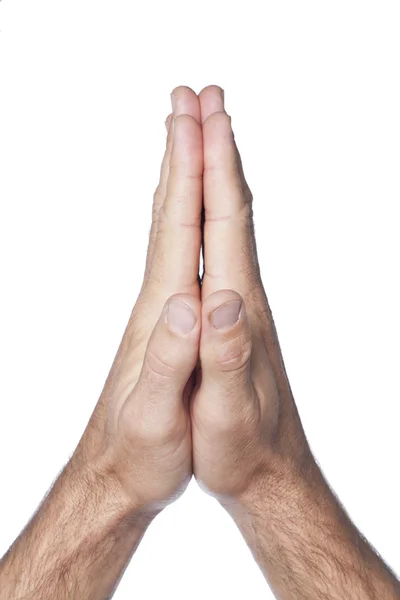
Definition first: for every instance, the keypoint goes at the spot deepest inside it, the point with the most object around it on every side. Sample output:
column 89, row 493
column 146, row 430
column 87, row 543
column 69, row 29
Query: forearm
column 76, row 546
column 307, row 546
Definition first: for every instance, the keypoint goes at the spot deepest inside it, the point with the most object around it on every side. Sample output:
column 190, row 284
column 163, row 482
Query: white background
column 313, row 90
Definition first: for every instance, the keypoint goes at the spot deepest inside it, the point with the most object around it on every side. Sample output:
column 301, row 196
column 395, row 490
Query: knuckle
column 161, row 215
column 159, row 367
column 158, row 432
column 148, row 421
column 234, row 355
column 155, row 214
column 175, row 214
column 245, row 211
column 149, row 430
column 158, row 198
column 233, row 415
column 248, row 196
column 182, row 169
column 263, row 310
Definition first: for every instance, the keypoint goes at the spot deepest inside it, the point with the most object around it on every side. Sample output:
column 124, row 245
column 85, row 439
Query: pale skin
column 199, row 387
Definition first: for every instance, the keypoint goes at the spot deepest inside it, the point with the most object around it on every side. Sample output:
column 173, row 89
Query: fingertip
column 184, row 101
column 182, row 89
column 212, row 90
column 187, row 144
column 219, row 148
column 223, row 186
column 212, row 100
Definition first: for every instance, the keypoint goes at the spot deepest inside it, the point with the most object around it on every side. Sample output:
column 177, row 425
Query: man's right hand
column 135, row 455
column 139, row 436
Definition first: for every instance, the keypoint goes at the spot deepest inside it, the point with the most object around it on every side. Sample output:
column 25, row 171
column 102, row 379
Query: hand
column 135, row 455
column 246, row 429
column 139, row 437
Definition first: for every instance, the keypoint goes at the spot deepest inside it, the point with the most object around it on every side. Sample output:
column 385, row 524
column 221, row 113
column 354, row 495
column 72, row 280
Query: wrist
column 82, row 536
column 284, row 489
column 305, row 542
column 101, row 490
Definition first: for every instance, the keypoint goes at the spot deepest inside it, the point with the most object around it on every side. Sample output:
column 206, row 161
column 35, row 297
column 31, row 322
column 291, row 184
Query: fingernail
column 223, row 96
column 226, row 315
column 180, row 317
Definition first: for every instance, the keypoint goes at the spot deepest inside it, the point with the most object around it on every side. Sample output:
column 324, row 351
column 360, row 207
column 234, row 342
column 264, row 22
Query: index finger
column 176, row 253
column 230, row 256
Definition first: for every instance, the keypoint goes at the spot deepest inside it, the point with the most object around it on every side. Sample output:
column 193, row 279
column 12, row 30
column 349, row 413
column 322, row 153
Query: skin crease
column 198, row 386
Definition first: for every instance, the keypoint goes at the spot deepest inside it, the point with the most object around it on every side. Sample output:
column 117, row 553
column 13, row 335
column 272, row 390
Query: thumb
column 225, row 352
column 171, row 354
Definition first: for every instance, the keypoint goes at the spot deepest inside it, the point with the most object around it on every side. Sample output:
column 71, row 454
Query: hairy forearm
column 76, row 546
column 307, row 546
